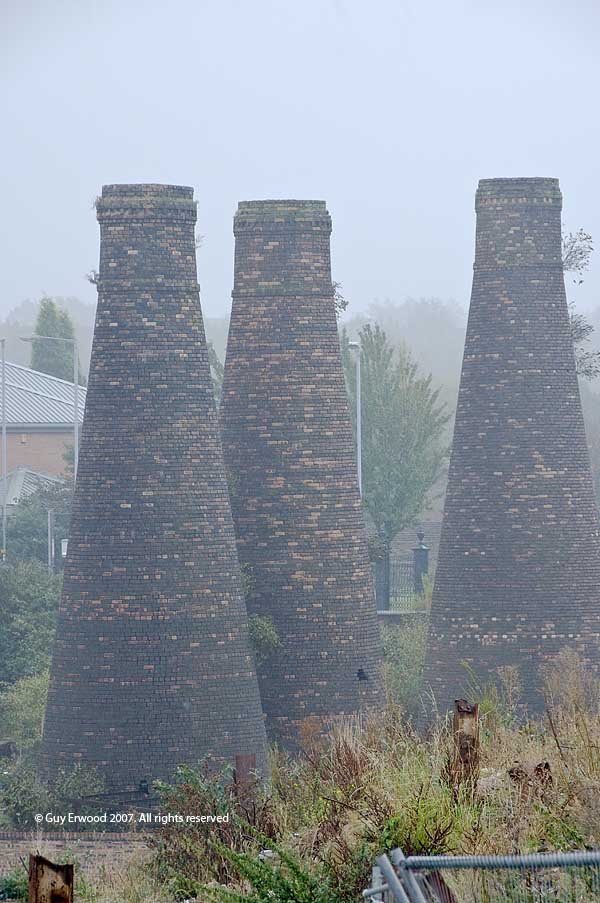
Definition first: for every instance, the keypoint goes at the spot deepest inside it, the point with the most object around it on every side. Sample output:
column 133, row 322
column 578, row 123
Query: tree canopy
column 403, row 431
column 54, row 358
column 27, row 619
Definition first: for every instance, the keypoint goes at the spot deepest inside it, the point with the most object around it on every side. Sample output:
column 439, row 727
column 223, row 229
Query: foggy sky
column 389, row 110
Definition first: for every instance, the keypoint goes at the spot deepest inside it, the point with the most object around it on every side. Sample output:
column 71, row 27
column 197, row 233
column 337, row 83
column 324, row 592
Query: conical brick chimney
column 152, row 666
column 288, row 447
column 518, row 574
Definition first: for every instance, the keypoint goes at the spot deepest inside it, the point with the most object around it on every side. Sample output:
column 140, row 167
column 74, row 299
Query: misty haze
column 300, row 452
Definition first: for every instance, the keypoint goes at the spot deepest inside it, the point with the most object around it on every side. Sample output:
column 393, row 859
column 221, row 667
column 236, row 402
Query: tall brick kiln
column 288, row 448
column 518, row 574
column 152, row 665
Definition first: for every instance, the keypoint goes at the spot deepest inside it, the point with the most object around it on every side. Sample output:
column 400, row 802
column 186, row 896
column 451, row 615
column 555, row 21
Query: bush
column 22, row 707
column 189, row 854
column 404, row 655
column 286, row 879
column 15, row 885
column 27, row 619
column 264, row 637
column 23, row 794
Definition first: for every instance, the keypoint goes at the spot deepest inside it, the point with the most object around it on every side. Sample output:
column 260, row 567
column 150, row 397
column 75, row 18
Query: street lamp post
column 355, row 346
column 50, row 540
column 4, row 450
column 73, row 342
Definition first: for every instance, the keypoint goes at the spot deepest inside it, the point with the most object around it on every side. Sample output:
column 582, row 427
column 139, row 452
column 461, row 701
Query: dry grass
column 374, row 783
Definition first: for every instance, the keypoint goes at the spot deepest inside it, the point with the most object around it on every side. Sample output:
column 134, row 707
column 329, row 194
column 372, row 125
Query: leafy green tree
column 403, row 432
column 22, row 707
column 23, row 794
column 216, row 372
column 29, row 597
column 55, row 358
column 27, row 528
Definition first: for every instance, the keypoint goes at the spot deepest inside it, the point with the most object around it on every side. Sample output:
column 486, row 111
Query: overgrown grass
column 374, row 784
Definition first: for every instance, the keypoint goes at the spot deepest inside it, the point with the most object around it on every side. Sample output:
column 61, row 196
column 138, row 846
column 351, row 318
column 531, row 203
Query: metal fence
column 533, row 878
column 401, row 585
column 399, row 578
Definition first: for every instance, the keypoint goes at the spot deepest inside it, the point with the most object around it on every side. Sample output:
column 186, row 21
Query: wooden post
column 49, row 883
column 465, row 765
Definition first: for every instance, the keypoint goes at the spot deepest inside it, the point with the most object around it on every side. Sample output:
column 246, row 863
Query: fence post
column 420, row 563
column 385, row 566
column 465, row 730
column 415, row 893
column 49, row 883
column 393, row 881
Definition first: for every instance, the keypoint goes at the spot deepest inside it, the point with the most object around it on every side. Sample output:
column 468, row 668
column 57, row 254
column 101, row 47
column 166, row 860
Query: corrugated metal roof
column 23, row 482
column 37, row 398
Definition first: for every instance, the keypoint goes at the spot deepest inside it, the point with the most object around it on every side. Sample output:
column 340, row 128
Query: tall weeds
column 374, row 783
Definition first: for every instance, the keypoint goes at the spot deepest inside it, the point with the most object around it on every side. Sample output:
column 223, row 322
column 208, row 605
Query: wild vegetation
column 377, row 783
column 374, row 783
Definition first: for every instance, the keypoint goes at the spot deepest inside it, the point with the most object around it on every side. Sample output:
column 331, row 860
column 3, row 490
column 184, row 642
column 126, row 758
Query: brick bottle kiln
column 152, row 665
column 288, row 448
column 518, row 574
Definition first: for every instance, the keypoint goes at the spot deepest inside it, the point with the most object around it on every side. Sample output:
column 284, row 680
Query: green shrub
column 14, row 886
column 27, row 619
column 284, row 879
column 264, row 637
column 23, row 794
column 22, row 707
column 404, row 655
column 187, row 853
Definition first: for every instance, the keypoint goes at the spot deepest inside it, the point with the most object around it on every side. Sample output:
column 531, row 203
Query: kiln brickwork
column 152, row 665
column 288, row 448
column 518, row 574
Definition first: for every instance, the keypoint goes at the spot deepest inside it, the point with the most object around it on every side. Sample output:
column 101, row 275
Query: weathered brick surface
column 95, row 855
column 152, row 665
column 518, row 573
column 288, row 447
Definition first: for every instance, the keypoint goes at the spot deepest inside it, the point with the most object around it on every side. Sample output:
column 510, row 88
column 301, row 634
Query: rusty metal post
column 465, row 731
column 49, row 883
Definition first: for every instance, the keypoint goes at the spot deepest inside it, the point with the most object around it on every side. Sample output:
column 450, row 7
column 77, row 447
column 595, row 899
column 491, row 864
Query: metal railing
column 528, row 878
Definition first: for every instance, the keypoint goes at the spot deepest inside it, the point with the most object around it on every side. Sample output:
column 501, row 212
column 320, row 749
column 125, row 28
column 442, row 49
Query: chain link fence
column 533, row 878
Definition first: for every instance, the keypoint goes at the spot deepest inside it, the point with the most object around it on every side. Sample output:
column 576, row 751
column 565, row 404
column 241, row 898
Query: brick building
column 289, row 451
column 518, row 572
column 152, row 666
column 39, row 413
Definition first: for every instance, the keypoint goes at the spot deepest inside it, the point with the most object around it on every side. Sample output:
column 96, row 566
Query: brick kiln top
column 517, row 191
column 282, row 214
column 518, row 225
column 150, row 200
column 149, row 189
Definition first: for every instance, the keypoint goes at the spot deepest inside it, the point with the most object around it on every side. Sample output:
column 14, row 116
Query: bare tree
column 577, row 249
